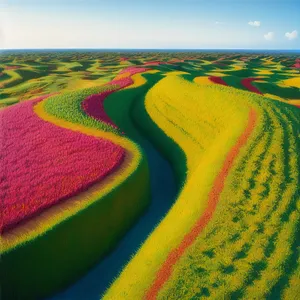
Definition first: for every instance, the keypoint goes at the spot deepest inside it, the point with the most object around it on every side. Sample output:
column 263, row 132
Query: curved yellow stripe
column 293, row 82
column 263, row 72
column 176, row 73
column 139, row 79
column 59, row 212
column 205, row 157
column 203, row 80
column 122, row 75
column 294, row 102
column 218, row 74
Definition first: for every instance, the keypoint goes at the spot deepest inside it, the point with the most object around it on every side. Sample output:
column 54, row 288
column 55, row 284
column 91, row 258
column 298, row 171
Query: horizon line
column 173, row 49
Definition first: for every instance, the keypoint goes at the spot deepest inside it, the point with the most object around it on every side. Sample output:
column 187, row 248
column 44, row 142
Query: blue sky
column 179, row 24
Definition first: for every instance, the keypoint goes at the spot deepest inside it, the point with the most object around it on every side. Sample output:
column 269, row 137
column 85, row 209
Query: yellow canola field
column 244, row 250
column 255, row 209
column 294, row 82
column 205, row 121
column 139, row 79
column 203, row 80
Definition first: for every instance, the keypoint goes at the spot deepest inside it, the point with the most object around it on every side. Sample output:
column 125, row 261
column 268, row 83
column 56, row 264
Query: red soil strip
column 94, row 105
column 297, row 64
column 174, row 60
column 155, row 63
column 217, row 80
column 133, row 70
column 12, row 67
column 244, row 58
column 43, row 164
column 166, row 269
column 217, row 62
column 247, row 83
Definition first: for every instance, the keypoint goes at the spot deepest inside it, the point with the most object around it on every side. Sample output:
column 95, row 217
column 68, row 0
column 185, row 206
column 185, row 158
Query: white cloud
column 292, row 35
column 269, row 36
column 219, row 23
column 254, row 23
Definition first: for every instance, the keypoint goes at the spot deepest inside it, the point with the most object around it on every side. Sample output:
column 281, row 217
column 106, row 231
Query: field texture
column 149, row 176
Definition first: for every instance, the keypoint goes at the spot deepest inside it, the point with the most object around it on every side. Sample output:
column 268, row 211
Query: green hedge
column 60, row 256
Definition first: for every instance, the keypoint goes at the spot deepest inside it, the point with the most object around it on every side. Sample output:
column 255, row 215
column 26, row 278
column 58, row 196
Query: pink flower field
column 44, row 164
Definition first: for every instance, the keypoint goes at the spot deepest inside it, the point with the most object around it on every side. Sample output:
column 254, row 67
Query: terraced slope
column 249, row 248
column 250, row 231
column 149, row 176
column 27, row 75
column 126, row 109
column 36, row 149
column 34, row 253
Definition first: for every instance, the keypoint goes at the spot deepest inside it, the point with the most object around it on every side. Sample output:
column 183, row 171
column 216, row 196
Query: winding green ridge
column 117, row 106
column 67, row 106
column 207, row 202
column 58, row 257
column 126, row 109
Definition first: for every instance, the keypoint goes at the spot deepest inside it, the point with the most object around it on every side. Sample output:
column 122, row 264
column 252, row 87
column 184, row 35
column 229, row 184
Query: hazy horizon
column 152, row 49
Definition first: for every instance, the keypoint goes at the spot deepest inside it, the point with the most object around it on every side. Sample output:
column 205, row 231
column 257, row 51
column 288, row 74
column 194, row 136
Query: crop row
column 249, row 247
column 198, row 119
column 245, row 248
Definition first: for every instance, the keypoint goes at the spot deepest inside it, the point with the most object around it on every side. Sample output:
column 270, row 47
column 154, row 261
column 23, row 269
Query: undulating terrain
column 163, row 175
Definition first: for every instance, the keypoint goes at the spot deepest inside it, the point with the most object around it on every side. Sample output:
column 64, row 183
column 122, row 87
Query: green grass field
column 204, row 203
